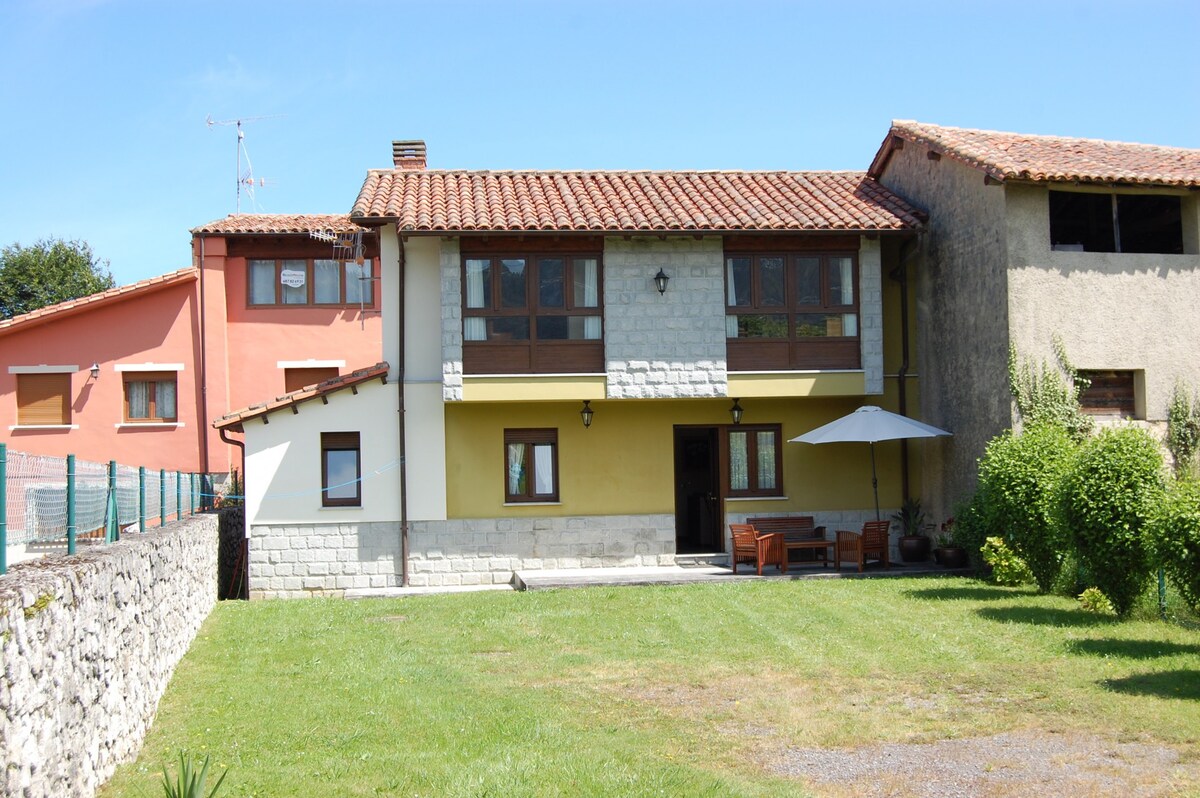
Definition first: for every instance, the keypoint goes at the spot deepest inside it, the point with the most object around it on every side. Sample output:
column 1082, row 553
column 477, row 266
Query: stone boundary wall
column 326, row 560
column 87, row 646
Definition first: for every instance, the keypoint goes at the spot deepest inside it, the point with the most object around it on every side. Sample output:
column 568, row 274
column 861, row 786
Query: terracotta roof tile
column 233, row 421
column 1015, row 156
column 630, row 202
column 279, row 223
column 71, row 306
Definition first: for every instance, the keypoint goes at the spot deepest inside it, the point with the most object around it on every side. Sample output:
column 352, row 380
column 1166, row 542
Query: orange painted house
column 137, row 373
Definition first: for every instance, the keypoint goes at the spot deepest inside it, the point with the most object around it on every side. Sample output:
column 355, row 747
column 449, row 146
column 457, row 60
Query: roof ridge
column 1040, row 136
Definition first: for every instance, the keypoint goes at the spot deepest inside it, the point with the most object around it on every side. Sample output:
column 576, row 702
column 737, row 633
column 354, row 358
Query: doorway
column 698, row 524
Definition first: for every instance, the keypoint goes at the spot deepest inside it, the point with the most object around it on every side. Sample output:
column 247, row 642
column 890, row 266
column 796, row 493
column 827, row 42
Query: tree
column 49, row 271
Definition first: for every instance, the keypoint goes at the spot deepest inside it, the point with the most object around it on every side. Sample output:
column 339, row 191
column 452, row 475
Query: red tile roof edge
column 71, row 306
column 233, row 421
column 278, row 224
column 939, row 138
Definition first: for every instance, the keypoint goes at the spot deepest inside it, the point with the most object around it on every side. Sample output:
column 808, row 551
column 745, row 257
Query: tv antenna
column 243, row 177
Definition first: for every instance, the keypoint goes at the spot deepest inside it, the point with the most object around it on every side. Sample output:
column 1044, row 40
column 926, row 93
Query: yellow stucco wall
column 625, row 462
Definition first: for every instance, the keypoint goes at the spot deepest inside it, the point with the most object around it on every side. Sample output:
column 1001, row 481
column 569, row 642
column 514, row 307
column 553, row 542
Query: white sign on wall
column 291, row 278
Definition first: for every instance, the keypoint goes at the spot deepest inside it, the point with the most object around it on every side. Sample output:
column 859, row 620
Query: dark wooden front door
column 697, row 490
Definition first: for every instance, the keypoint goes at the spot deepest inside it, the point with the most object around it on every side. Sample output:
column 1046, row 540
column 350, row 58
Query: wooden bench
column 800, row 533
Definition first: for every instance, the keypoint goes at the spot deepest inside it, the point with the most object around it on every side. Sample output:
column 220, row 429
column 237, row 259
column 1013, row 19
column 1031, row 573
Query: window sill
column 756, row 498
column 149, row 425
column 341, row 509
column 23, row 427
column 532, row 504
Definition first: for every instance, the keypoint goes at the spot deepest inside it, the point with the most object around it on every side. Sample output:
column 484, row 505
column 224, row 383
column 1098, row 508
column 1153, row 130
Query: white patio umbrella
column 868, row 424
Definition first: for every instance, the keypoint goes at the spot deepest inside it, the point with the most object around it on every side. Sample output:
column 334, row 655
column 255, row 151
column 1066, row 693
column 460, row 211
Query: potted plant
column 914, row 543
column 948, row 553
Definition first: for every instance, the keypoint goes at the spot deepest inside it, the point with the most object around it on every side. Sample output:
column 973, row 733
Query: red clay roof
column 1015, row 156
column 279, row 223
column 72, row 306
column 630, row 202
column 233, row 421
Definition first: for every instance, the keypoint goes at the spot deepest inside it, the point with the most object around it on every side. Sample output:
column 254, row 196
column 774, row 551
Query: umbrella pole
column 874, row 481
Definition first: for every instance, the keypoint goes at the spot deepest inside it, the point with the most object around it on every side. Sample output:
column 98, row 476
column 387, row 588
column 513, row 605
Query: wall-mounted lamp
column 660, row 282
column 95, row 371
column 586, row 413
column 736, row 412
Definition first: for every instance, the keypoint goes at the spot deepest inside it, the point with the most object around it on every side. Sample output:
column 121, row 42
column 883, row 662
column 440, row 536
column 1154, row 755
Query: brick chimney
column 408, row 155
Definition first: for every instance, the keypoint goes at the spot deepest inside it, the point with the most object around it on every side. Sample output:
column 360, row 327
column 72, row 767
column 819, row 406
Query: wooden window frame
column 1111, row 393
column 341, row 442
column 309, row 284
column 292, row 375
column 24, row 406
column 534, row 354
column 1110, row 230
column 794, row 351
column 529, row 438
column 751, row 431
column 153, row 378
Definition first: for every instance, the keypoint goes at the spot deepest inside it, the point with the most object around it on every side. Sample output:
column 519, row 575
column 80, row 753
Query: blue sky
column 104, row 135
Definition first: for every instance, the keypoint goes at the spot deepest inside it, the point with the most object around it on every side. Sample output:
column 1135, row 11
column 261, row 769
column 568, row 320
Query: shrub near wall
column 87, row 646
column 1174, row 534
column 1111, row 491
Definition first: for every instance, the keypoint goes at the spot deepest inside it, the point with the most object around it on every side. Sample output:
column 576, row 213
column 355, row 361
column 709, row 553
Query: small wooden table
column 818, row 546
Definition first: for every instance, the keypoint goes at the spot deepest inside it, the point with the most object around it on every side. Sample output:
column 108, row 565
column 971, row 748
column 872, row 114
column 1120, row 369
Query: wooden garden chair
column 860, row 547
column 749, row 545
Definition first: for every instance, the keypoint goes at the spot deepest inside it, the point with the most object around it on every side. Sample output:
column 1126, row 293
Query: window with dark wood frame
column 530, row 465
column 532, row 313
column 1109, row 393
column 325, row 283
column 296, row 378
column 754, row 454
column 43, row 399
column 341, row 469
column 792, row 310
column 151, row 397
column 1103, row 222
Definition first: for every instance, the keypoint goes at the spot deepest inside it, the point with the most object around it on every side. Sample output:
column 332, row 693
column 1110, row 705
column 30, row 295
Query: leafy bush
column 1007, row 567
column 1049, row 395
column 1183, row 430
column 1174, row 537
column 1107, row 496
column 189, row 782
column 910, row 517
column 1019, row 479
column 969, row 530
column 1093, row 600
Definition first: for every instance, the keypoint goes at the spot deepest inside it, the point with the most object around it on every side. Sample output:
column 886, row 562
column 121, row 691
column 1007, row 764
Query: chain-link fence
column 46, row 499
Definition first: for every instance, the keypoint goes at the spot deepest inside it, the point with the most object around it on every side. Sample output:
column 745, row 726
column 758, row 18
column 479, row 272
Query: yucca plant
column 189, row 783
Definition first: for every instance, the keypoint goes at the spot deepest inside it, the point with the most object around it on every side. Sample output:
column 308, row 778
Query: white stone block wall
column 870, row 305
column 452, row 324
column 295, row 561
column 87, row 646
column 668, row 346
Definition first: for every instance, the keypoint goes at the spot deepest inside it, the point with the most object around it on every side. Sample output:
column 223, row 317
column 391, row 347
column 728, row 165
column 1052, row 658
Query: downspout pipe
column 203, row 376
column 404, row 543
column 900, row 275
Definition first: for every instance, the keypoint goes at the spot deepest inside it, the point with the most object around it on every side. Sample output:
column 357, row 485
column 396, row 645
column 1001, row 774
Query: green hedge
column 1174, row 537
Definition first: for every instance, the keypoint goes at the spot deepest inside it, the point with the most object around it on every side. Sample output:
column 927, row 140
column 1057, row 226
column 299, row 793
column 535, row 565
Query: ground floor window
column 43, row 399
column 341, row 470
column 531, row 465
column 1109, row 393
column 755, row 460
column 150, row 397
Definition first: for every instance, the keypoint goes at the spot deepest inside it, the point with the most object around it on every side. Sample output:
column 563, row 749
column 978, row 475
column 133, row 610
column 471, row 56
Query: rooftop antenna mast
column 241, row 177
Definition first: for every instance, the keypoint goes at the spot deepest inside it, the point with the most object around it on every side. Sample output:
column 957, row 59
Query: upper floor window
column 1087, row 222
column 311, row 281
column 780, row 305
column 539, row 313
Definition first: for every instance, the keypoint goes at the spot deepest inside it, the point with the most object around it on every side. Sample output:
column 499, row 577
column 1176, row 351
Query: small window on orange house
column 43, row 400
column 296, row 378
column 150, row 397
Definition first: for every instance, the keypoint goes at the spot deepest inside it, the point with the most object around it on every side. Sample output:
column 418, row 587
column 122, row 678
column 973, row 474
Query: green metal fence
column 46, row 499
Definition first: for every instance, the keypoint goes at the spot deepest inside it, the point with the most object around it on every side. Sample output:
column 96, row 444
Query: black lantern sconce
column 660, row 281
column 736, row 412
column 586, row 413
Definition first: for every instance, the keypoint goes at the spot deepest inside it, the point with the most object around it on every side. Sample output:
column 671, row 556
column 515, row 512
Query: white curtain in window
column 587, row 287
column 845, row 268
column 475, row 328
column 475, row 269
column 139, row 399
column 327, row 282
column 543, row 469
column 731, row 327
column 262, row 282
column 849, row 324
column 164, row 398
column 591, row 328
column 516, row 469
column 739, row 472
column 766, row 460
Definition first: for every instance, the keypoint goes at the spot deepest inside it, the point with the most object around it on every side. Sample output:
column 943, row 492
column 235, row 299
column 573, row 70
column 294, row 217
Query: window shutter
column 297, row 378
column 43, row 399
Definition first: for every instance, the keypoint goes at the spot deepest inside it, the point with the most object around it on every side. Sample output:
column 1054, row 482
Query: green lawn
column 649, row 690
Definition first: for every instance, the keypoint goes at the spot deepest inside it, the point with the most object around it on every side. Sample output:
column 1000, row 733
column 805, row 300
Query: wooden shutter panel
column 295, row 379
column 43, row 399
